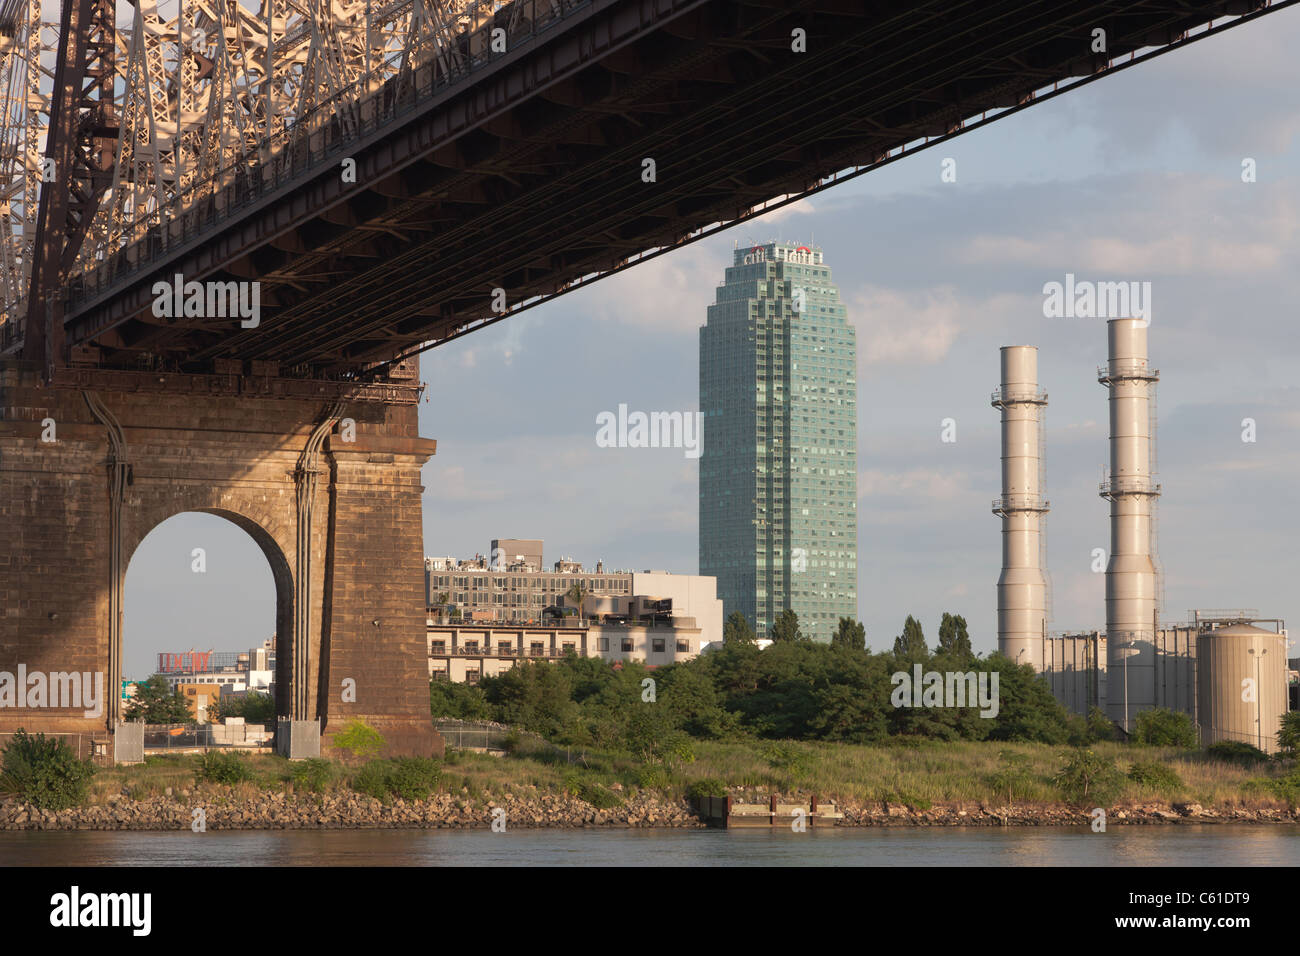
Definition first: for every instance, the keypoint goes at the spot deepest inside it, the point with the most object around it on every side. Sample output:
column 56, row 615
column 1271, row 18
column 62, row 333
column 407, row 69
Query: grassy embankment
column 917, row 775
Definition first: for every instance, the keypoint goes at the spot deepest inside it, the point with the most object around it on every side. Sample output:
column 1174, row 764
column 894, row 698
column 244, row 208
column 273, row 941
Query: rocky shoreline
column 1054, row 815
column 345, row 810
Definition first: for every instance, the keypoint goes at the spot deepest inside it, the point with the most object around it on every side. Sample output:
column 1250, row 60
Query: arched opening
column 208, row 608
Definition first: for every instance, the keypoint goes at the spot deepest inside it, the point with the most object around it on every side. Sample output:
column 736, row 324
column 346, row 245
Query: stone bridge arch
column 337, row 510
column 269, row 533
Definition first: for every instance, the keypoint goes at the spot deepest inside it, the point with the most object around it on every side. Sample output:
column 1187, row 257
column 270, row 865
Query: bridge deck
column 527, row 174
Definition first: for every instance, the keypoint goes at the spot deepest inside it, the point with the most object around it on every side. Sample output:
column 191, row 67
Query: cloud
column 1143, row 224
column 1230, row 94
column 803, row 208
column 1186, row 254
column 921, row 485
column 904, row 328
column 450, row 484
column 670, row 292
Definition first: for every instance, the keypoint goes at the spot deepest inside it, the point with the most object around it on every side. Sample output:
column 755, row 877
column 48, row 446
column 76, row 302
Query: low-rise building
column 200, row 697
column 509, row 589
column 233, row 671
column 492, row 618
column 467, row 652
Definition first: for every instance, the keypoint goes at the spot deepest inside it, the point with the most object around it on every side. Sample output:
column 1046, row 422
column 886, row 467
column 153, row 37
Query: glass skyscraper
column 778, row 472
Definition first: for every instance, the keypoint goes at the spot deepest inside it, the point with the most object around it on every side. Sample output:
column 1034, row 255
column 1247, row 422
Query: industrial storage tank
column 1241, row 684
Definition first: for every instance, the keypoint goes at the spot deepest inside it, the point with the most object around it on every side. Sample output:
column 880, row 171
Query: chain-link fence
column 488, row 737
column 182, row 737
column 476, row 735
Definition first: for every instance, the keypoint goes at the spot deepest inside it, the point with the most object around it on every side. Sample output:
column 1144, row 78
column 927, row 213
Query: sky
column 1137, row 177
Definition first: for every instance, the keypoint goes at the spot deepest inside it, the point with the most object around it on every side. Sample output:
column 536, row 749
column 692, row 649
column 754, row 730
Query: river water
column 1182, row 845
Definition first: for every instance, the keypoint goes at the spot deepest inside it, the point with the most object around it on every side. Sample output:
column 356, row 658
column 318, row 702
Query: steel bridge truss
column 175, row 99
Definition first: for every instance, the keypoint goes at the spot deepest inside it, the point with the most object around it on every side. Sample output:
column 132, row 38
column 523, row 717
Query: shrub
column 1013, row 775
column 586, row 789
column 787, row 757
column 1284, row 788
column 1162, row 727
column 314, row 774
column 1234, row 751
column 652, row 776
column 222, row 766
column 360, row 739
column 411, row 778
column 1101, row 727
column 1086, row 776
column 414, row 778
column 1155, row 775
column 372, row 779
column 706, row 787
column 1288, row 738
column 44, row 772
column 910, row 800
column 598, row 796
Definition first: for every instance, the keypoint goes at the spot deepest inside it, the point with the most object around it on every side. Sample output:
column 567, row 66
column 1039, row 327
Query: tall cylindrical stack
column 1022, row 589
column 1131, row 606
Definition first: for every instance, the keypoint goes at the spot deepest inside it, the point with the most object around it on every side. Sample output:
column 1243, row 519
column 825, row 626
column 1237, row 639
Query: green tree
column 458, row 700
column 254, row 707
column 853, row 705
column 736, row 629
column 690, row 699
column 1101, row 727
column 910, row 645
column 440, row 603
column 360, row 739
column 733, row 668
column 850, row 633
column 1162, row 727
column 786, row 628
column 534, row 695
column 1288, row 738
column 785, row 704
column 577, row 595
column 1086, row 775
column 953, row 639
column 1013, row 776
column 1027, row 711
column 155, row 703
column 651, row 734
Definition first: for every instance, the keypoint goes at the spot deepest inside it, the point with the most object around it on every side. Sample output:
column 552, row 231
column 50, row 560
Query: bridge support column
column 328, row 487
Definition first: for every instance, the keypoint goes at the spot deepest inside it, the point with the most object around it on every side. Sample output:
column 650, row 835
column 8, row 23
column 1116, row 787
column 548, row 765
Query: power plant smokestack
column 1022, row 587
column 1131, row 605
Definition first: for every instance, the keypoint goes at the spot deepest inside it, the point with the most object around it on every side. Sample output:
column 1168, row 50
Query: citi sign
column 802, row 255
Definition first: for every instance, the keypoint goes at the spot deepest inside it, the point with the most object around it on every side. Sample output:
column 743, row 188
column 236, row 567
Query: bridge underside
column 531, row 176
column 86, row 475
